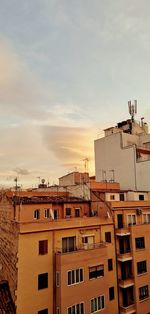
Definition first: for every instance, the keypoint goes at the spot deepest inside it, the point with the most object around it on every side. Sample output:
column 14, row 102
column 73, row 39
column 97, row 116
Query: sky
column 67, row 71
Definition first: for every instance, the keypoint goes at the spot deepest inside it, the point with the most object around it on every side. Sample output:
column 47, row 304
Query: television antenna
column 132, row 109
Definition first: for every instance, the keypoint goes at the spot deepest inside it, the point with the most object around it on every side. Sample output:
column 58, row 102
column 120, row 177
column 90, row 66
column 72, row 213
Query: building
column 123, row 155
column 57, row 256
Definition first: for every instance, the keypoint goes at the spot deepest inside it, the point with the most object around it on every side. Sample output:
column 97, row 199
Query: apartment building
column 56, row 256
column 132, row 233
column 123, row 155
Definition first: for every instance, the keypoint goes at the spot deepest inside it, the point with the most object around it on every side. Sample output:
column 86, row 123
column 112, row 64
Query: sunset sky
column 67, row 71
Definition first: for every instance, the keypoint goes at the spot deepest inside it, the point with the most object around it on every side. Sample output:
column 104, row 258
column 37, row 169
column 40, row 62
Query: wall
column 30, row 264
column 109, row 155
column 143, row 175
column 8, row 246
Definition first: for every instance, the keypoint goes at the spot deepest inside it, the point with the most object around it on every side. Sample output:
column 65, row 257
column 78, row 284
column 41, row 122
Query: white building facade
column 123, row 155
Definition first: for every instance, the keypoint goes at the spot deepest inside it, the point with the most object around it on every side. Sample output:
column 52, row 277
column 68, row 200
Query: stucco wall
column 109, row 155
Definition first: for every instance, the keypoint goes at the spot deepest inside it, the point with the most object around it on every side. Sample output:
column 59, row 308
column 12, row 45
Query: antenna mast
column 132, row 109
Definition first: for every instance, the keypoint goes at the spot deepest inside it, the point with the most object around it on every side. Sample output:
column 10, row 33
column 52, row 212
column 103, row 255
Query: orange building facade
column 57, row 257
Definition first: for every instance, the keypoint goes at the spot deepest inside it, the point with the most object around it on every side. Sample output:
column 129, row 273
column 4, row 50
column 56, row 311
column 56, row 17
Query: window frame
column 111, row 291
column 132, row 215
column 138, row 264
column 95, row 302
column 36, row 214
column 110, row 259
column 39, row 284
column 96, row 271
column 146, row 295
column 44, row 250
column 108, row 233
column 74, row 273
column 47, row 213
column 139, row 248
column 146, row 215
column 75, row 308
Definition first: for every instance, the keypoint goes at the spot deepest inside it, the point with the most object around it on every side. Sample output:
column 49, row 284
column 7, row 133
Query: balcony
column 122, row 232
column 82, row 247
column 130, row 309
column 127, row 256
column 126, row 283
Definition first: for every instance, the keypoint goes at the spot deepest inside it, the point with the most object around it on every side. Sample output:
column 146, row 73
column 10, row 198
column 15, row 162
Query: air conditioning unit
column 139, row 211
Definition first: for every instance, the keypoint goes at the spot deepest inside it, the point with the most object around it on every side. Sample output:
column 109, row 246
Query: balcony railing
column 127, row 282
column 130, row 308
column 81, row 247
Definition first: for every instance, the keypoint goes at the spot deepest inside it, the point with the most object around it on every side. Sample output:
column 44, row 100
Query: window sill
column 145, row 299
column 142, row 274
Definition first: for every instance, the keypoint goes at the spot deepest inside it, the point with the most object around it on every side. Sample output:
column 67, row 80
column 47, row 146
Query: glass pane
column 77, row 275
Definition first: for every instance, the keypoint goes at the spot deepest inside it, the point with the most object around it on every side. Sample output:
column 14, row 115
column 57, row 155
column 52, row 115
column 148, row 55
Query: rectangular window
column 97, row 304
column 47, row 213
column 57, row 279
column 141, row 267
column 36, row 214
column 43, row 247
column 76, row 309
column 131, row 219
column 45, row 311
column 121, row 196
column 68, row 244
column 42, row 281
column 143, row 292
column 75, row 276
column 68, row 212
column 139, row 243
column 55, row 214
column 141, row 197
column 112, row 197
column 108, row 237
column 77, row 212
column 96, row 271
column 110, row 264
column 111, row 293
column 146, row 218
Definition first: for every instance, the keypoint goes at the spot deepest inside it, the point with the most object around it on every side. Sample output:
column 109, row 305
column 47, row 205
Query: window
column 68, row 212
column 36, row 214
column 75, row 276
column 43, row 247
column 55, row 214
column 111, row 293
column 112, row 197
column 146, row 218
column 47, row 213
column 141, row 197
column 96, row 271
column 45, row 311
column 57, row 279
column 76, row 309
column 141, row 267
column 42, row 281
column 143, row 292
column 68, row 244
column 108, row 237
column 110, row 264
column 77, row 212
column 121, row 196
column 131, row 219
column 140, row 243
column 97, row 304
